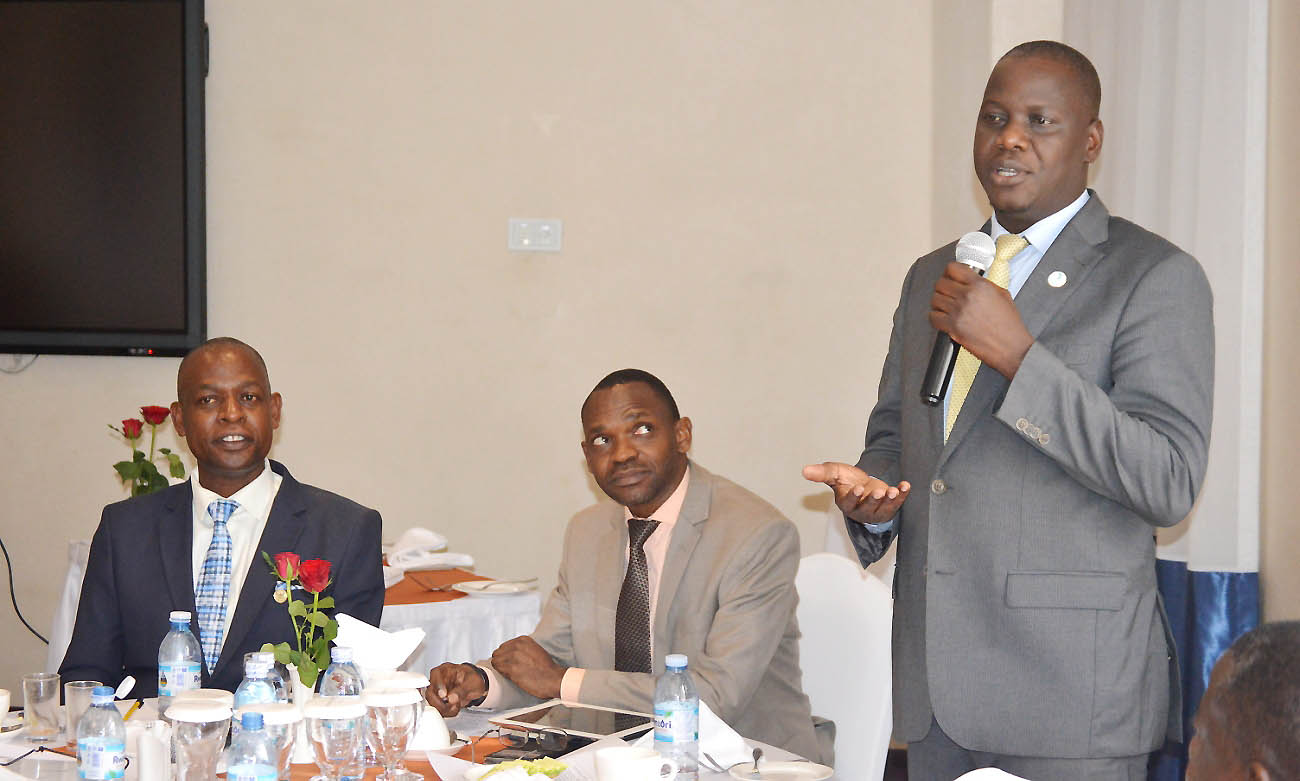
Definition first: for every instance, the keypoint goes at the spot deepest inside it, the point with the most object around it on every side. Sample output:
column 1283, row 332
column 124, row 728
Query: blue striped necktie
column 214, row 583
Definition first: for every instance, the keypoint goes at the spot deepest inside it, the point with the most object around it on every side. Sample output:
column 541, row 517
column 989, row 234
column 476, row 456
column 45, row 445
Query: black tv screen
column 101, row 176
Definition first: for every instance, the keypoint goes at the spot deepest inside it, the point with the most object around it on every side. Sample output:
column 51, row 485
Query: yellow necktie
column 963, row 374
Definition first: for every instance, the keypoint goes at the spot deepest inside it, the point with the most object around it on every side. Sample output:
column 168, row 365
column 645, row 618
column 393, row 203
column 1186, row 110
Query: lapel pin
column 1056, row 279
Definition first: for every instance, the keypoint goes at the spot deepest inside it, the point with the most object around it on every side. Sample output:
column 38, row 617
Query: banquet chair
column 65, row 613
column 845, row 615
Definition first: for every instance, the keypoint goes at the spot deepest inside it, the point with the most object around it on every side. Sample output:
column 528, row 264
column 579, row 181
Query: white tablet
column 588, row 721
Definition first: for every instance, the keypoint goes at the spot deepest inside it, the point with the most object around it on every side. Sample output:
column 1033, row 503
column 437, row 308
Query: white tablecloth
column 463, row 630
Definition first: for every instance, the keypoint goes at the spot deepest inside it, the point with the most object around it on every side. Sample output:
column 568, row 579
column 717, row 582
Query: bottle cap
column 256, row 668
column 675, row 661
column 341, row 654
column 180, row 615
column 251, row 720
column 101, row 694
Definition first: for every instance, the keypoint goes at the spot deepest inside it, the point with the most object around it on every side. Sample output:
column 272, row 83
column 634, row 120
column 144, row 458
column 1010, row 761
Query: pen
column 131, row 710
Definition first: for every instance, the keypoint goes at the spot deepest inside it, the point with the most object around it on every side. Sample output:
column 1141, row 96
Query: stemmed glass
column 392, row 718
column 335, row 727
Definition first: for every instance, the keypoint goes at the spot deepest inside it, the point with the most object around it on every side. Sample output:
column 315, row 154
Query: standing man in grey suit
column 1028, row 632
column 712, row 577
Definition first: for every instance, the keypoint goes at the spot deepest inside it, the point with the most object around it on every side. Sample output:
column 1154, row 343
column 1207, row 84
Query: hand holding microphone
column 975, row 314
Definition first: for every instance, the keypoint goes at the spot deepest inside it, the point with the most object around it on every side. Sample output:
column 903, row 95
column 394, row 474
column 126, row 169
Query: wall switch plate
column 535, row 235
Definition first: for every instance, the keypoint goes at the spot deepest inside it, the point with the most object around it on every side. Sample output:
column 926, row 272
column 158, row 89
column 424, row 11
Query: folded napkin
column 717, row 738
column 420, row 548
column 373, row 649
column 393, row 576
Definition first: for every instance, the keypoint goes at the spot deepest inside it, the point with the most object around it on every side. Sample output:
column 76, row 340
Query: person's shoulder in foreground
column 141, row 559
column 1248, row 723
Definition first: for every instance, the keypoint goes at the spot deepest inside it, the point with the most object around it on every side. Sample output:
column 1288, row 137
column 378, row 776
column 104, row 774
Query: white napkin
column 717, row 738
column 990, row 774
column 420, row 548
column 393, row 576
column 372, row 647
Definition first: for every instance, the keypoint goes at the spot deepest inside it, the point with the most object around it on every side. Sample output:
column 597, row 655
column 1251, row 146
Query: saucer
column 492, row 588
column 782, row 771
column 11, row 722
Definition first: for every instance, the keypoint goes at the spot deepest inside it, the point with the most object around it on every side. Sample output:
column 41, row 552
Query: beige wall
column 1280, row 532
column 742, row 186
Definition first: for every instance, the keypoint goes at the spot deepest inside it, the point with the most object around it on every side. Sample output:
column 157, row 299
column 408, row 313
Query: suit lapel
column 283, row 528
column 176, row 543
column 686, row 534
column 1074, row 253
column 609, row 578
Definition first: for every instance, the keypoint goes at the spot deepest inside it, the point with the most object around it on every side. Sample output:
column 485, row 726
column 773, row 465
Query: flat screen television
column 102, row 227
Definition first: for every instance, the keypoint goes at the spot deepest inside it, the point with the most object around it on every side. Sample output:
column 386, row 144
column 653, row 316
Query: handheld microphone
column 974, row 250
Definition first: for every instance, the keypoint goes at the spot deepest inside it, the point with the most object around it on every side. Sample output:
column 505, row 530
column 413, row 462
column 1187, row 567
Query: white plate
column 11, row 721
column 492, row 588
column 782, row 771
column 456, row 745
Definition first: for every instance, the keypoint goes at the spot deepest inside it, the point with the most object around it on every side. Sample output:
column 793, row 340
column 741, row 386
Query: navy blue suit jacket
column 140, row 569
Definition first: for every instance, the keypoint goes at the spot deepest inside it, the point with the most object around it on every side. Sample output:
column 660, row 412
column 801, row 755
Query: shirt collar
column 254, row 497
column 667, row 513
column 1042, row 233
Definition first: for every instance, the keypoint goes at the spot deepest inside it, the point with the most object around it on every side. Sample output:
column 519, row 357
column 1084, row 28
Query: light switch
column 535, row 235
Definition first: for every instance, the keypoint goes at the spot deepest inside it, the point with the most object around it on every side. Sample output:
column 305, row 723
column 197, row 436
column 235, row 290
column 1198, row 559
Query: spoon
column 758, row 752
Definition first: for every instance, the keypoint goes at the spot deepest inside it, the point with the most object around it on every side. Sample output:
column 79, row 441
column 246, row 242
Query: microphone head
column 975, row 249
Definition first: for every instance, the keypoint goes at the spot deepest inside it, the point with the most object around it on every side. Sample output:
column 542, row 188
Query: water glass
column 280, row 720
column 41, row 707
column 76, row 699
column 392, row 717
column 335, row 727
column 199, row 732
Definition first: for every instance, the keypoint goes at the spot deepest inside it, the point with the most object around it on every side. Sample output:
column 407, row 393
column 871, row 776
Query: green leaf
column 165, row 450
column 156, row 483
column 127, row 470
column 297, row 608
column 308, row 671
column 137, row 455
column 325, row 603
column 331, row 630
column 321, row 650
column 175, row 467
column 283, row 654
column 270, row 563
column 318, row 619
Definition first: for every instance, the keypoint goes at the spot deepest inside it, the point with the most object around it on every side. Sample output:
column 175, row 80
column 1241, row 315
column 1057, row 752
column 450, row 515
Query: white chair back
column 845, row 616
column 65, row 613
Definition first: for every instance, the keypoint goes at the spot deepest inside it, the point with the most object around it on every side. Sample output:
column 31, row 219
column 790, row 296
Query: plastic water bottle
column 273, row 676
column 256, row 686
column 180, row 662
column 253, row 755
column 677, row 717
column 342, row 678
column 101, row 738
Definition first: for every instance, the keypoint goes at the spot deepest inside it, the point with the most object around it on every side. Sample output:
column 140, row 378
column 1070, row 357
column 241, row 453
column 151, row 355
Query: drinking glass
column 391, row 719
column 199, row 732
column 76, row 699
column 335, row 725
column 41, row 707
column 280, row 720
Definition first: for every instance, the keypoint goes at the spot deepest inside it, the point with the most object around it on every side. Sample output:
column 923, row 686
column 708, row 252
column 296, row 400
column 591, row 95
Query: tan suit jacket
column 726, row 600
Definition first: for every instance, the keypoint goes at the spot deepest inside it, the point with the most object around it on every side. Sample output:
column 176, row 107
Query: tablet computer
column 588, row 721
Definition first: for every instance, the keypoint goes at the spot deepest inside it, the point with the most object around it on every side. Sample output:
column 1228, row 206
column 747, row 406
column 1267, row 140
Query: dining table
column 458, row 626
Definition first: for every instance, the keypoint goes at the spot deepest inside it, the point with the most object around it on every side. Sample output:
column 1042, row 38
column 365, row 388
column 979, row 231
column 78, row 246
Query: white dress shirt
column 246, row 524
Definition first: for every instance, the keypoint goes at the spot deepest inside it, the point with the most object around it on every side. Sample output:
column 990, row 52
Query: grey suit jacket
column 1027, row 618
column 140, row 569
column 726, row 600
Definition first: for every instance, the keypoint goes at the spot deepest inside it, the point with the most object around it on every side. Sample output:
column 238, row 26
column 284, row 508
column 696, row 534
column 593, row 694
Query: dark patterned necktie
column 632, row 621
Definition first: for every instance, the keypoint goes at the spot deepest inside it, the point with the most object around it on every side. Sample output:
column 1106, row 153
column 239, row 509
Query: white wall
column 742, row 186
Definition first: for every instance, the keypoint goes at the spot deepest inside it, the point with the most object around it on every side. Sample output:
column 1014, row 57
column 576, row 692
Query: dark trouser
column 937, row 758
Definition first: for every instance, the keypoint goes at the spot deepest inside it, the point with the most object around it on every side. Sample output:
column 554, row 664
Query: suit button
column 1034, row 431
column 1022, row 424
column 1044, row 438
column 938, row 487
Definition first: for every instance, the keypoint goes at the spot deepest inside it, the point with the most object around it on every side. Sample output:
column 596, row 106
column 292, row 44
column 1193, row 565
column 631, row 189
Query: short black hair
column 1261, row 693
column 222, row 341
column 625, row 376
column 1071, row 57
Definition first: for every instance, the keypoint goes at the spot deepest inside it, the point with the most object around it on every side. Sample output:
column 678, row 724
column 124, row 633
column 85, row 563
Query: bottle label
column 177, row 677
column 99, row 759
column 677, row 722
column 251, row 772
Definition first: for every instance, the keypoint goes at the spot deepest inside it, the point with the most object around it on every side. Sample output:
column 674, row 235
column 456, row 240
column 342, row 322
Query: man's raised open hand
column 860, row 496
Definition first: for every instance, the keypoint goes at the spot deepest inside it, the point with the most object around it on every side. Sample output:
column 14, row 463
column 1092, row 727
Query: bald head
column 220, row 344
column 1085, row 75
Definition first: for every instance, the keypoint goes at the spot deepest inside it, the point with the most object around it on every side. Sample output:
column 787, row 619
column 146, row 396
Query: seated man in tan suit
column 712, row 578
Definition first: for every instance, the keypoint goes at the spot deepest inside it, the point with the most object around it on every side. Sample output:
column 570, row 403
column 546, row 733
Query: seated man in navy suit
column 153, row 554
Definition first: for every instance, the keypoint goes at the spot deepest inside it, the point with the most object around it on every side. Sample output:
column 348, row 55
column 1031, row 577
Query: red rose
column 314, row 574
column 286, row 565
column 153, row 415
column 132, row 428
